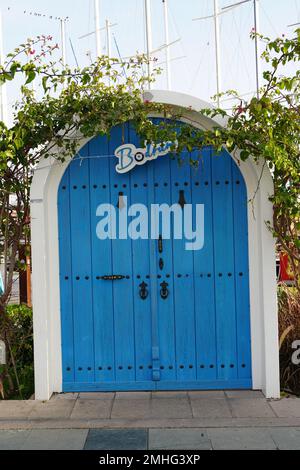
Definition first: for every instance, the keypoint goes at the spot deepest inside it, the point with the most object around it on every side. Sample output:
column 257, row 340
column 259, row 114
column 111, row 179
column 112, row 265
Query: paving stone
column 15, row 409
column 56, row 439
column 170, row 408
column 244, row 394
column 54, row 409
column 286, row 407
column 164, row 394
column 206, row 394
column 65, row 396
column 250, row 408
column 91, row 409
column 286, row 438
column 12, row 440
column 97, row 395
column 131, row 409
column 210, row 408
column 133, row 395
column 117, row 439
column 241, row 439
column 182, row 439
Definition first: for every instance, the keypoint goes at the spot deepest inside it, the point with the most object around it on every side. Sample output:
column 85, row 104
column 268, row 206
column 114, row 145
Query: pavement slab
column 55, row 439
column 179, row 439
column 241, row 439
column 286, row 407
column 286, row 438
column 53, row 409
column 91, row 409
column 244, row 394
column 97, row 395
column 133, row 395
column 206, row 394
column 131, row 409
column 210, row 408
column 250, row 408
column 12, row 440
column 170, row 408
column 117, row 439
column 15, row 409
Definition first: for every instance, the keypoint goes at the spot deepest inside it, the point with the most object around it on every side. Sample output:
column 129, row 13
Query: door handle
column 160, row 244
column 112, row 277
column 143, row 290
column 164, row 291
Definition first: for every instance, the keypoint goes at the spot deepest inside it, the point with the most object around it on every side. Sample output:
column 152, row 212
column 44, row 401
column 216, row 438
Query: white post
column 148, row 39
column 257, row 48
column 217, row 47
column 63, row 40
column 97, row 28
column 3, row 97
column 168, row 68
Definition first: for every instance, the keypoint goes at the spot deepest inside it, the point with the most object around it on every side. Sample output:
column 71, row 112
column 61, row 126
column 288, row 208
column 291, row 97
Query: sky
column 193, row 57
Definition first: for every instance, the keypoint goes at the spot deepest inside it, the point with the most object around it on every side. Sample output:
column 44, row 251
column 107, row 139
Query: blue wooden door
column 192, row 328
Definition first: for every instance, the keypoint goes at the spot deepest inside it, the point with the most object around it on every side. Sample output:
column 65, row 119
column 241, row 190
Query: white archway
column 262, row 263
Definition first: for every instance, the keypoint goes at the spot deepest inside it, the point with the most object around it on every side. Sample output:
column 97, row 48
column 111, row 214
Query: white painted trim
column 45, row 258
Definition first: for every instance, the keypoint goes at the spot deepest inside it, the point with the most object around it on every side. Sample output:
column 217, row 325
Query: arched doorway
column 172, row 318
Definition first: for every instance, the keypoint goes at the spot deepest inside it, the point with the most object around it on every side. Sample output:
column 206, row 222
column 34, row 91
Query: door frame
column 262, row 261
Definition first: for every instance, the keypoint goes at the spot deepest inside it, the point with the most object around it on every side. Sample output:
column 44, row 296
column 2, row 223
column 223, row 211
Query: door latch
column 112, row 277
column 143, row 291
column 164, row 291
column 160, row 244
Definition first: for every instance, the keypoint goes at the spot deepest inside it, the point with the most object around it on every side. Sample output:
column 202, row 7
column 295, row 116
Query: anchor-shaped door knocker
column 143, row 290
column 164, row 291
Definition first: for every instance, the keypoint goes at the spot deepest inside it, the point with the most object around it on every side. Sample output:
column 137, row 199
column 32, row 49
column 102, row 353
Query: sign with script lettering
column 129, row 155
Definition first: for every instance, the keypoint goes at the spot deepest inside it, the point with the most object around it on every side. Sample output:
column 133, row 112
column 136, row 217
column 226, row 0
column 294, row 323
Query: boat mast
column 217, row 49
column 257, row 47
column 97, row 28
column 148, row 40
column 3, row 101
column 63, row 40
column 108, row 38
column 216, row 18
column 166, row 20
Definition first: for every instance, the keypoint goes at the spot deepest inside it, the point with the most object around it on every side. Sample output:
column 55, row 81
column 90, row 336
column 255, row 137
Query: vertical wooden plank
column 224, row 266
column 82, row 272
column 122, row 264
column 102, row 264
column 65, row 258
column 240, row 212
column 141, row 273
column 204, row 272
column 183, row 283
column 165, row 308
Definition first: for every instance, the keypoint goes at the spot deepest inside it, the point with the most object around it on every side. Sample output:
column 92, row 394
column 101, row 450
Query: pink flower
column 32, row 52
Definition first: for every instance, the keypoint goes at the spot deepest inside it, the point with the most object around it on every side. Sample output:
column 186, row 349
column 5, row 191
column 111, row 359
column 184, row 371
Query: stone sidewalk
column 216, row 419
column 152, row 439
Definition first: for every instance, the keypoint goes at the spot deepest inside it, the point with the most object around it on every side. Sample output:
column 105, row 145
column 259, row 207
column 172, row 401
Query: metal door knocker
column 143, row 291
column 164, row 291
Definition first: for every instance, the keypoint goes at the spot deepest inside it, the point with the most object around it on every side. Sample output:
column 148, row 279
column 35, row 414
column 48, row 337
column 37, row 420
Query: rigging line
column 181, row 42
column 239, row 49
column 73, row 51
column 269, row 20
column 118, row 51
column 198, row 69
